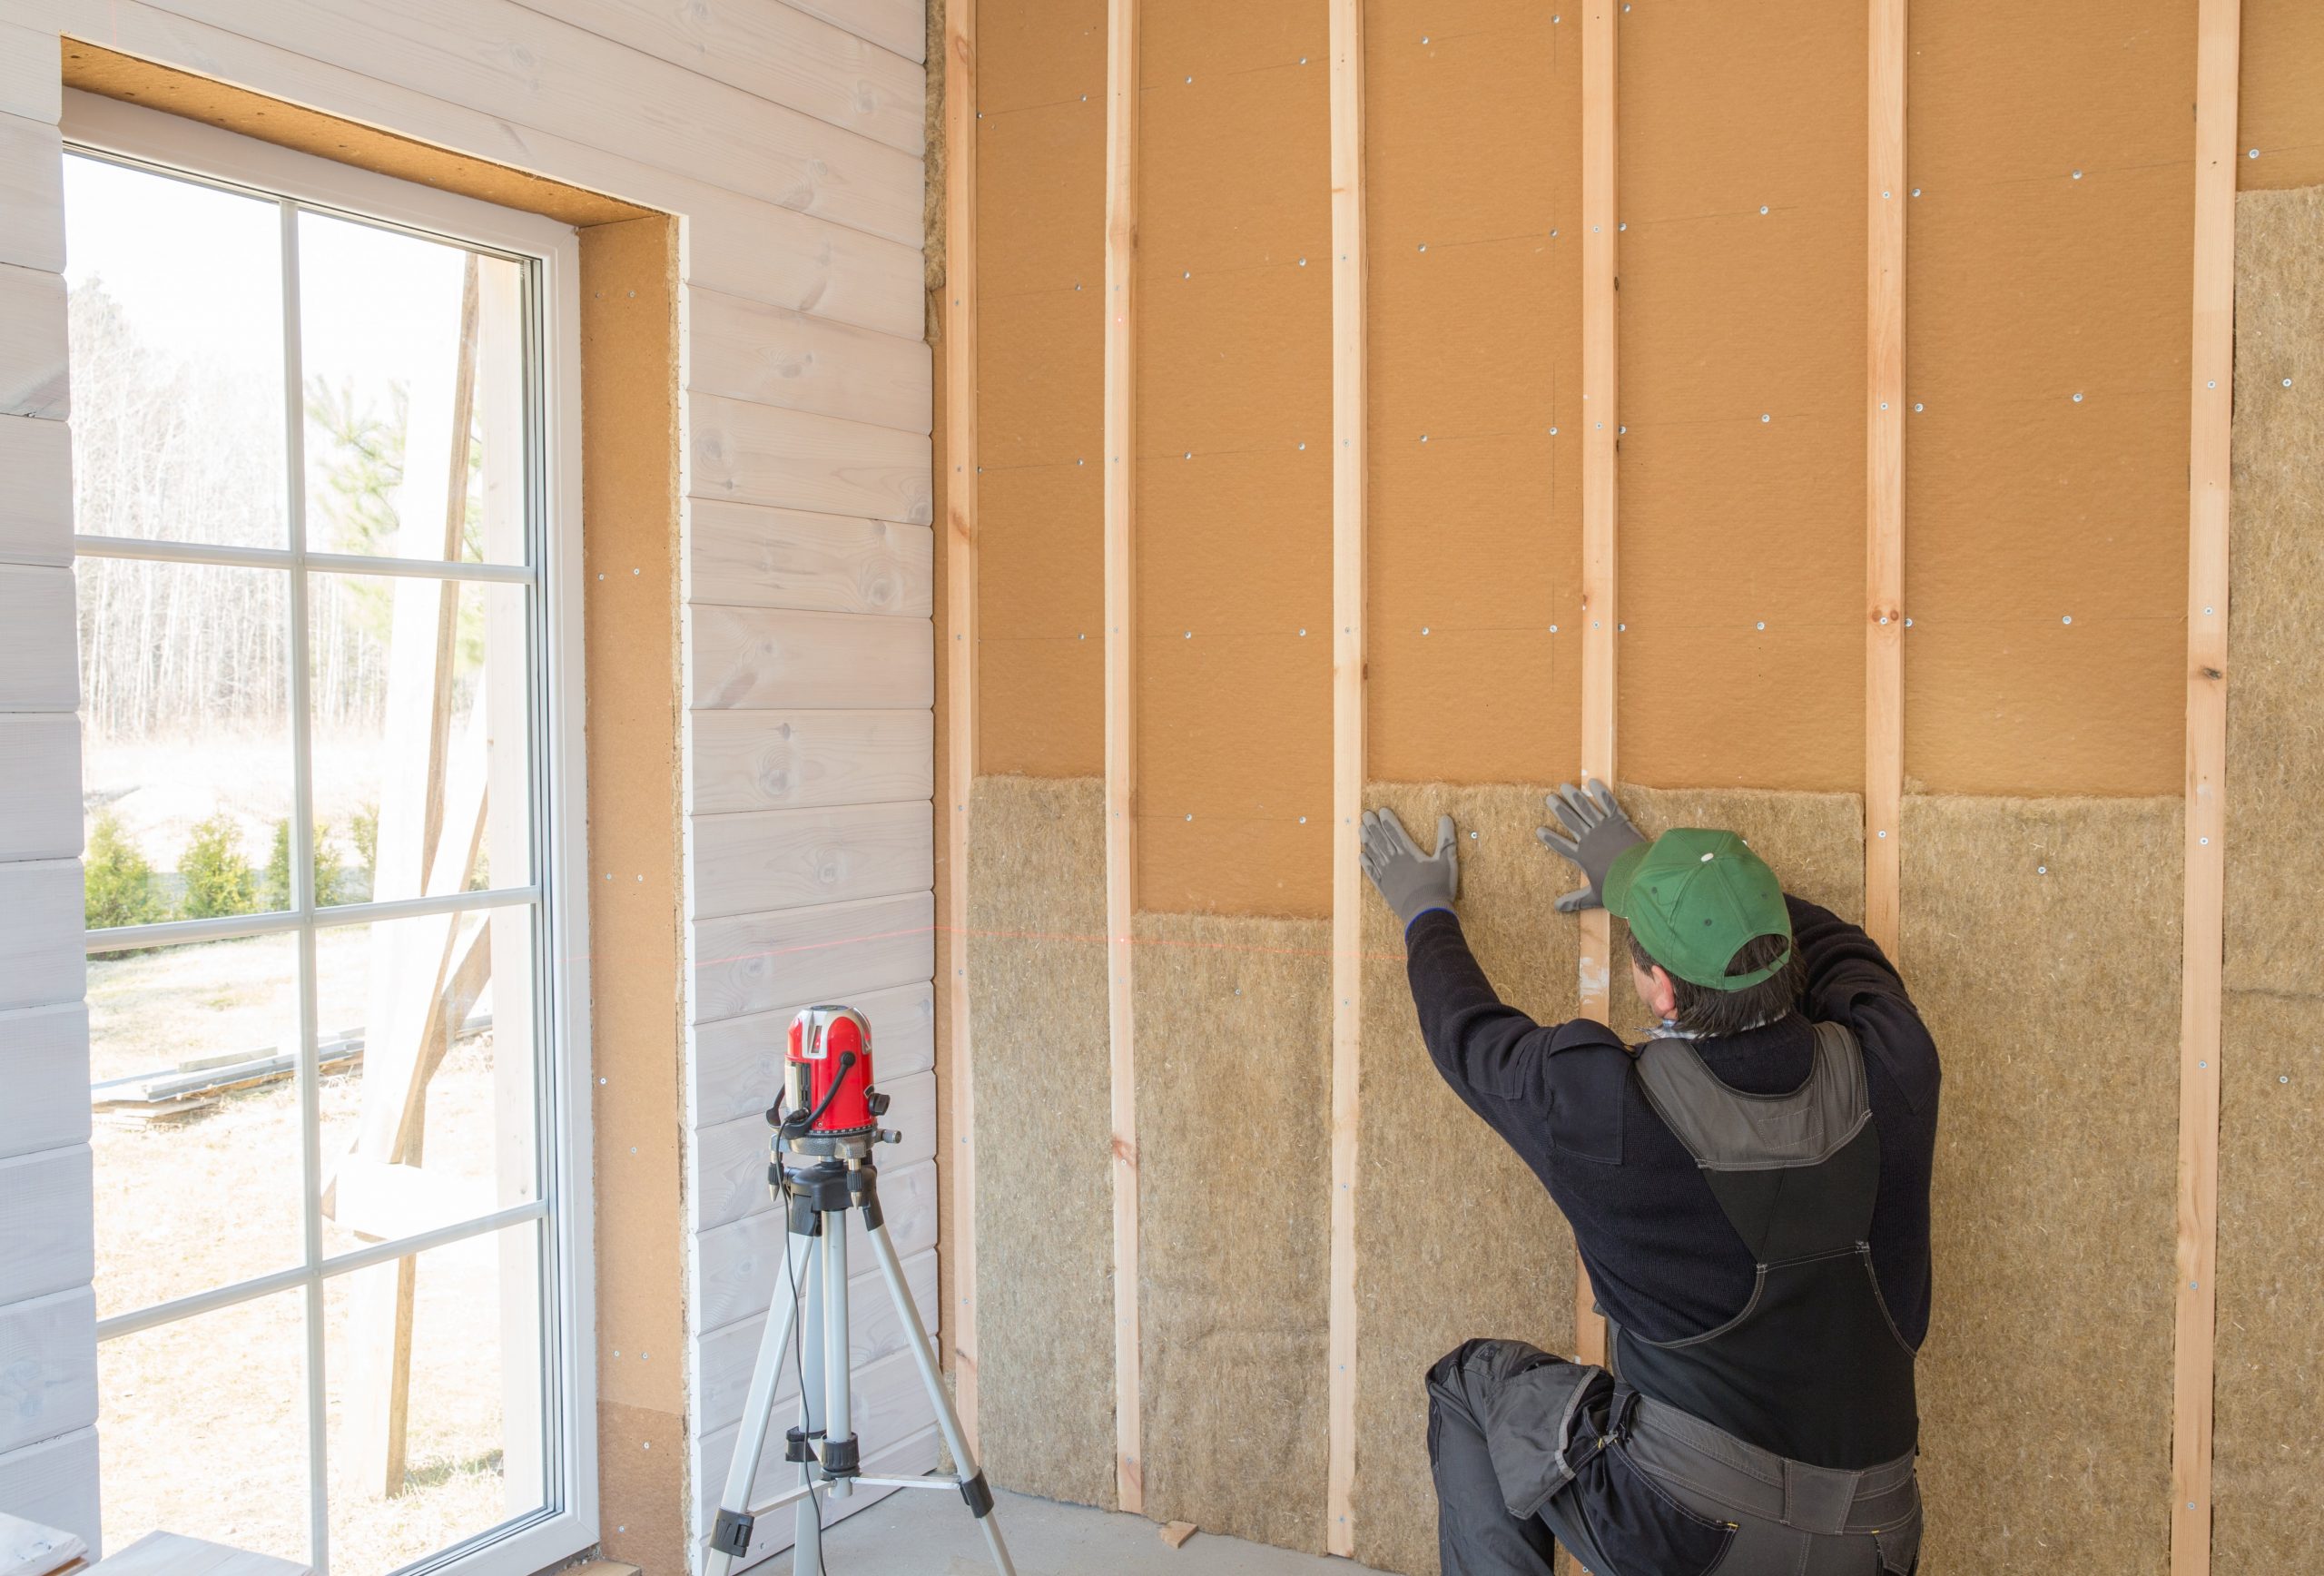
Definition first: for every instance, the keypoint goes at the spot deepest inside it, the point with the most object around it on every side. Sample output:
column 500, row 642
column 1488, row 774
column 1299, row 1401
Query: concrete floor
column 923, row 1534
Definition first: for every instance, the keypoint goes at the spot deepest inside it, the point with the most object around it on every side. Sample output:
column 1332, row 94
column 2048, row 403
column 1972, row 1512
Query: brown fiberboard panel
column 1044, row 1228
column 2041, row 941
column 1233, row 532
column 1234, row 1144
column 1473, row 543
column 1455, row 1238
column 2268, row 1461
column 2281, row 107
column 1041, row 259
column 2048, row 325
column 1741, row 327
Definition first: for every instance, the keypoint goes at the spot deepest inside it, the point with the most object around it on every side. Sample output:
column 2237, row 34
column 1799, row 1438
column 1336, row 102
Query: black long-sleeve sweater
column 1663, row 1260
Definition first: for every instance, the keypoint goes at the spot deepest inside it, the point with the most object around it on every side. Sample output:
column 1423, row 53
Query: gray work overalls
column 1642, row 1468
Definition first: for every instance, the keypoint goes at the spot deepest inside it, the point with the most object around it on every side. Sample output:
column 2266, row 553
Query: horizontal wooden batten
column 728, row 1354
column 772, row 355
column 755, row 760
column 738, row 1061
column 32, row 343
column 47, row 1227
column 29, row 84
column 761, row 454
column 54, row 1483
column 40, row 785
column 729, row 1159
column 736, row 1265
column 896, row 24
column 31, row 194
column 43, row 958
column 768, row 859
column 754, row 658
column 756, row 962
column 48, row 1350
column 44, row 1067
column 748, row 555
column 36, row 506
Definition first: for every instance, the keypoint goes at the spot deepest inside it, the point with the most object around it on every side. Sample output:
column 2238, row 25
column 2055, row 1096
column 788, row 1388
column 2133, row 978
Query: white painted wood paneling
column 736, row 1266
column 729, row 1159
column 40, row 785
column 759, row 454
column 32, row 343
column 39, row 644
column 733, row 243
column 756, row 962
column 771, row 1535
column 754, row 760
column 32, row 193
column 780, row 859
column 36, row 501
column 771, row 355
column 48, row 1367
column 47, row 1227
column 535, row 71
column 44, row 1072
column 29, row 84
column 55, row 1483
column 738, row 1061
column 723, row 1379
column 898, row 25
column 774, row 52
column 742, row 554
column 41, row 956
column 889, row 1406
column 776, row 658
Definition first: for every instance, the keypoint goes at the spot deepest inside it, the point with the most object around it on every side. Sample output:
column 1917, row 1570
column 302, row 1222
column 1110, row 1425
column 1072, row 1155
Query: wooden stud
column 1600, row 427
column 2211, row 390
column 1884, row 489
column 1347, row 747
column 1122, row 730
column 960, row 1320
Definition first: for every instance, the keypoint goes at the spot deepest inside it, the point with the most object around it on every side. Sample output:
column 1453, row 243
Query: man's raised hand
column 1595, row 831
column 1411, row 881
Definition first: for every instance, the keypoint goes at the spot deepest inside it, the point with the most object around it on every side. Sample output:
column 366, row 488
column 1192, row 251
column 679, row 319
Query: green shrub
column 117, row 882
column 218, row 879
column 363, row 831
column 330, row 871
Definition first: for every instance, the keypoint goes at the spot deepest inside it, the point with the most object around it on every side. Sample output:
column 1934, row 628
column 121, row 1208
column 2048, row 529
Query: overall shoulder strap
column 1727, row 1129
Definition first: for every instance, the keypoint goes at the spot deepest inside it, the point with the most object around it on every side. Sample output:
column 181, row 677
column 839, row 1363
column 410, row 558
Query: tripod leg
column 973, row 1488
column 838, row 1413
column 807, row 1523
column 744, row 1470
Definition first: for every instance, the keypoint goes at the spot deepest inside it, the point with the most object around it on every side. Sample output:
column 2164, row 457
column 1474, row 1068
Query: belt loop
column 1618, row 1416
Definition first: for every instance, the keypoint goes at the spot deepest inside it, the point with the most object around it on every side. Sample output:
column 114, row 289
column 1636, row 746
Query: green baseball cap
column 1695, row 897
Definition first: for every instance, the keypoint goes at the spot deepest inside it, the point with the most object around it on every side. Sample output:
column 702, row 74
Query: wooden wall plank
column 743, row 555
column 44, row 1068
column 738, row 1061
column 47, row 1227
column 1121, row 722
column 32, row 193
column 36, row 508
column 756, row 760
column 38, row 641
column 775, row 52
column 55, row 1483
column 40, row 785
column 756, row 962
column 759, row 454
column 2211, row 366
column 762, row 659
column 898, row 25
column 48, row 1350
column 32, row 343
column 1884, row 415
column 736, row 1266
column 28, row 80
column 730, row 1159
column 723, row 1376
column 41, row 956
column 771, row 355
column 1350, row 430
column 763, row 859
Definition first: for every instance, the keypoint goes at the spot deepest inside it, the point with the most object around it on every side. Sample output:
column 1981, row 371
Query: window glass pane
column 435, row 1125
column 422, row 703
column 193, row 1057
column 177, row 358
column 414, row 358
column 204, row 1428
column 461, row 1324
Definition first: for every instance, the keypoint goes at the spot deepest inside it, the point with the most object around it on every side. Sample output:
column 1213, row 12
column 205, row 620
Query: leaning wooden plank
column 782, row 859
column 736, row 1266
column 32, row 343
column 44, row 1068
column 773, row 52
column 755, row 760
column 172, row 1554
column 2211, row 389
column 29, row 1548
column 36, row 507
column 744, row 555
column 756, row 962
column 31, row 194
column 28, row 81
column 758, row 658
column 734, row 243
column 1884, row 493
column 40, row 786
column 901, row 26
column 889, row 1406
column 54, row 1483
column 41, row 956
column 729, row 1159
column 38, row 643
column 759, row 454
column 738, row 1061
column 771, row 355
column 47, row 1229
column 727, row 1355
column 48, row 1352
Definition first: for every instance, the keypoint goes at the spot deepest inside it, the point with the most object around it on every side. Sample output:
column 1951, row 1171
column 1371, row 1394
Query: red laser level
column 827, row 1077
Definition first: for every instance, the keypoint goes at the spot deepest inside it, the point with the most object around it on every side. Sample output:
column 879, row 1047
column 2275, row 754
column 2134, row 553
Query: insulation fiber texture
column 1454, row 1237
column 1044, row 1136
column 2041, row 941
column 1234, row 1148
column 2268, row 1458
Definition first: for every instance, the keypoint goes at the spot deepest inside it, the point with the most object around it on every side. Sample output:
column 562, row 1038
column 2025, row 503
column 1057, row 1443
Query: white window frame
column 221, row 158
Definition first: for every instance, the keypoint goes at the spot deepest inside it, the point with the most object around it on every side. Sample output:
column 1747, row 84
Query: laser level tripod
column 820, row 1168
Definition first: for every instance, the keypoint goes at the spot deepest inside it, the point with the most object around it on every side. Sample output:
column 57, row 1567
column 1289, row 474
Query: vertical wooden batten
column 1600, row 427
column 1349, row 477
column 1884, row 482
column 1122, row 730
column 2210, row 389
column 960, row 666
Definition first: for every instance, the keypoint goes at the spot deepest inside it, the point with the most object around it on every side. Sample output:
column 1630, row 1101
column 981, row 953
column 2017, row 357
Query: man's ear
column 1666, row 995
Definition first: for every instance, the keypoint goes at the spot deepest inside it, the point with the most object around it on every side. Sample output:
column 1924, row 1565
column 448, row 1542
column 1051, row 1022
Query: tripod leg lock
column 979, row 1495
column 795, row 1445
column 839, row 1457
column 733, row 1533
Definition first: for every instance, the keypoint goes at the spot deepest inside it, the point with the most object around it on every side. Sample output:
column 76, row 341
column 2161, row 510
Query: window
column 325, row 435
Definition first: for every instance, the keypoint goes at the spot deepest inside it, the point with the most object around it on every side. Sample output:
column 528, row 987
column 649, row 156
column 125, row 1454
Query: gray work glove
column 1414, row 882
column 1596, row 831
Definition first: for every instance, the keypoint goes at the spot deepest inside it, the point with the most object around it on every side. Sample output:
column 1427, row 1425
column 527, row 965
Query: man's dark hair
column 1710, row 1013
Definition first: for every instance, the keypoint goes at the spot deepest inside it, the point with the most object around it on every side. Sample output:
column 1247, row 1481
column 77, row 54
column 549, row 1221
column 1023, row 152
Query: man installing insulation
column 1749, row 1192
